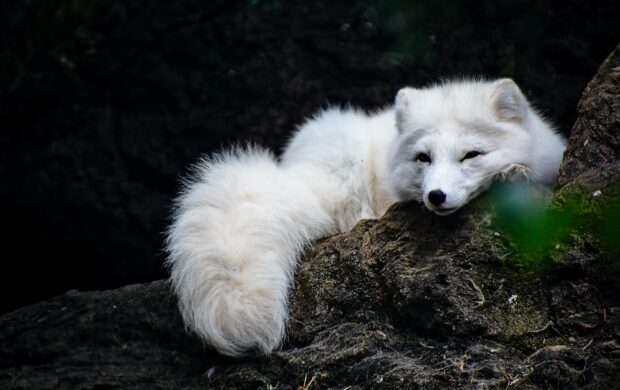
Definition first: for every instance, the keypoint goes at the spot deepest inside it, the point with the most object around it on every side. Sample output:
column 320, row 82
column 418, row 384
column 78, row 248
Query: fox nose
column 436, row 197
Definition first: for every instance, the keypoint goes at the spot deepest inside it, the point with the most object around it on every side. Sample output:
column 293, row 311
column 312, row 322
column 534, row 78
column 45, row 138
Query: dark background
column 105, row 104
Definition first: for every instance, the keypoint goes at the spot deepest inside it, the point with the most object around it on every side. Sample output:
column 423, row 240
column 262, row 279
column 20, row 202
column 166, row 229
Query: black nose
column 436, row 197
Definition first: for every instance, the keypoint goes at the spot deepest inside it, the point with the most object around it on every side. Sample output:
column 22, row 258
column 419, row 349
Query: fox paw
column 514, row 173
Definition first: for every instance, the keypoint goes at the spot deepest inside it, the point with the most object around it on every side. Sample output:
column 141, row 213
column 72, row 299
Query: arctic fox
column 244, row 218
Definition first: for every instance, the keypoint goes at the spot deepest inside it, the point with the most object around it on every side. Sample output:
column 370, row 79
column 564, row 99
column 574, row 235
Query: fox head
column 455, row 139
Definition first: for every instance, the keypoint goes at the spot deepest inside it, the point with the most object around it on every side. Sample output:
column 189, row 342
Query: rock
column 106, row 339
column 592, row 159
column 409, row 301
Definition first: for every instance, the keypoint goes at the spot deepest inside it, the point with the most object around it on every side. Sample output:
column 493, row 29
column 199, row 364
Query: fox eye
column 472, row 154
column 423, row 157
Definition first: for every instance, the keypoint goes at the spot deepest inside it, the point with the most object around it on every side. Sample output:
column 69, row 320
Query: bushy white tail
column 239, row 228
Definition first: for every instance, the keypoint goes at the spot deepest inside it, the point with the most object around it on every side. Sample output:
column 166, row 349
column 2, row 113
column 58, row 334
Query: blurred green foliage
column 421, row 28
column 611, row 229
column 538, row 232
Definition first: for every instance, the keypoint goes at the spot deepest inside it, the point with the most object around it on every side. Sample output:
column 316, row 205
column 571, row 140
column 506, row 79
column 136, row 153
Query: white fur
column 447, row 121
column 244, row 219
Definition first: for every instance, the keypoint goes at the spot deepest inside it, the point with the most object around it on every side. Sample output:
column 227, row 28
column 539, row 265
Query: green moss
column 538, row 235
column 521, row 323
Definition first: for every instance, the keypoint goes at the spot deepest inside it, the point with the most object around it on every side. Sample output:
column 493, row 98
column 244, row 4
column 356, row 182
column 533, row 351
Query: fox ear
column 508, row 101
column 404, row 99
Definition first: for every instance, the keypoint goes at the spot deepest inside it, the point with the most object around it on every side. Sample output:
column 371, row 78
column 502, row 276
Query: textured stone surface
column 409, row 301
column 594, row 152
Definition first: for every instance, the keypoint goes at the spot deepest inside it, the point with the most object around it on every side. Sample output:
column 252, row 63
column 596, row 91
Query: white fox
column 244, row 219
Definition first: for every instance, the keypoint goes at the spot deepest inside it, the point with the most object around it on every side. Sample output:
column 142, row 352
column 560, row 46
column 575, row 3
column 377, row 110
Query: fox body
column 245, row 217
